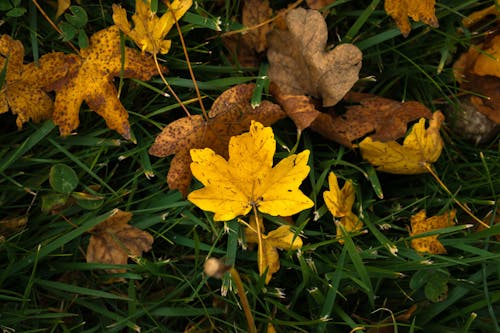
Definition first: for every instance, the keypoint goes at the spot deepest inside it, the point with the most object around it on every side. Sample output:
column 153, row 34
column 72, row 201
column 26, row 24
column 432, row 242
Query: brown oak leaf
column 25, row 85
column 91, row 80
column 418, row 10
column 231, row 114
column 299, row 64
column 114, row 240
column 382, row 118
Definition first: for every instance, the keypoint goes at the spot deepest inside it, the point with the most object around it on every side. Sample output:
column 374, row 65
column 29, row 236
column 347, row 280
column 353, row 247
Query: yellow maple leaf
column 420, row 148
column 339, row 203
column 90, row 79
column 418, row 10
column 248, row 179
column 149, row 30
column 25, row 87
column 421, row 224
column 280, row 238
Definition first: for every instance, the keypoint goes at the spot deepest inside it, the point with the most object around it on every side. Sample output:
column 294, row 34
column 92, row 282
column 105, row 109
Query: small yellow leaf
column 421, row 224
column 149, row 30
column 350, row 223
column 418, row 10
column 281, row 238
column 248, row 178
column 420, row 148
column 339, row 202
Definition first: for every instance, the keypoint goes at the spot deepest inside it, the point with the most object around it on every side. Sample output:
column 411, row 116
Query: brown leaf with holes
column 299, row 64
column 248, row 46
column 91, row 78
column 25, row 87
column 231, row 114
column 418, row 10
column 114, row 240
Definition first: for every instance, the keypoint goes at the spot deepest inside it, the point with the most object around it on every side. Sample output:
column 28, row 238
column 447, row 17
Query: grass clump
column 363, row 284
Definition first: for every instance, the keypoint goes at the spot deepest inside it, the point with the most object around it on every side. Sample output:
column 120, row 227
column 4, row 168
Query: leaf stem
column 54, row 26
column 461, row 205
column 244, row 300
column 172, row 92
column 191, row 73
column 260, row 255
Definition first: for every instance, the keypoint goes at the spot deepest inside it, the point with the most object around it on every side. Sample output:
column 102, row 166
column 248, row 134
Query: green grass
column 46, row 285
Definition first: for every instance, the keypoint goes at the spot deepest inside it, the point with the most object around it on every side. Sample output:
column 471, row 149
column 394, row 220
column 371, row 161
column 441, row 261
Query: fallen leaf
column 62, row 5
column 318, row 4
column 299, row 65
column 91, row 80
column 248, row 179
column 280, row 238
column 420, row 148
column 10, row 225
column 383, row 118
column 418, row 10
column 488, row 221
column 114, row 240
column 478, row 70
column 389, row 325
column 339, row 203
column 420, row 224
column 479, row 15
column 149, row 30
column 298, row 107
column 230, row 115
column 25, row 87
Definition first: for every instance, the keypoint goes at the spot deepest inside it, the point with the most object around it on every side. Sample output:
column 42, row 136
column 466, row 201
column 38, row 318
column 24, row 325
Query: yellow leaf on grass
column 149, row 30
column 248, row 178
column 420, row 148
column 418, row 10
column 339, row 203
column 281, row 238
column 421, row 224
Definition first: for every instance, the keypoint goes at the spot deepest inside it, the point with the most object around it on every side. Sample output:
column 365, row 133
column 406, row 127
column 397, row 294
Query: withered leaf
column 248, row 45
column 25, row 85
column 318, row 4
column 418, row 10
column 299, row 65
column 91, row 80
column 231, row 114
column 382, row 118
column 114, row 240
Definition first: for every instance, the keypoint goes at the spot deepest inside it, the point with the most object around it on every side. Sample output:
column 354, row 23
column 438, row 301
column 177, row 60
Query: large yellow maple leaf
column 150, row 30
column 418, row 10
column 25, row 86
column 420, row 224
column 420, row 148
column 339, row 203
column 280, row 238
column 90, row 79
column 248, row 179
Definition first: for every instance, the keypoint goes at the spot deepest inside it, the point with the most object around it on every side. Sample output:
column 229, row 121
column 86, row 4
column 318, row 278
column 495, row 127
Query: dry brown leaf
column 299, row 65
column 231, row 114
column 418, row 10
column 10, row 225
column 25, row 86
column 91, row 80
column 479, row 15
column 248, row 45
column 114, row 240
column 318, row 4
column 298, row 107
column 384, row 119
